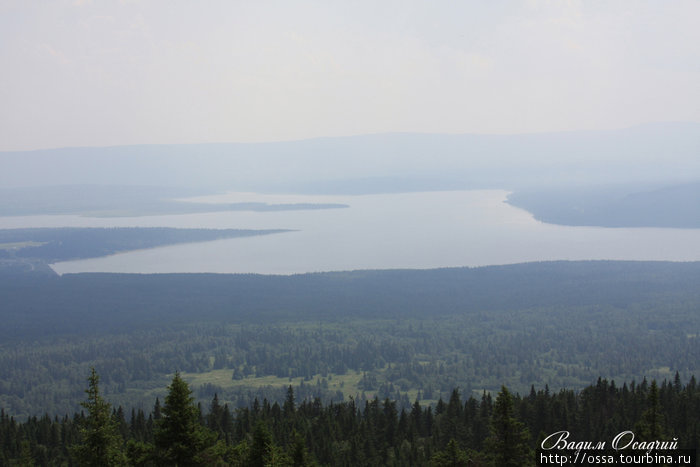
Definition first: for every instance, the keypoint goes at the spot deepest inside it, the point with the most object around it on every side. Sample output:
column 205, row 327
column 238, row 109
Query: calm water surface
column 406, row 230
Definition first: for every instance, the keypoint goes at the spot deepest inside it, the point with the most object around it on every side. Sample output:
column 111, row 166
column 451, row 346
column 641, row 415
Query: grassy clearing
column 662, row 372
column 346, row 383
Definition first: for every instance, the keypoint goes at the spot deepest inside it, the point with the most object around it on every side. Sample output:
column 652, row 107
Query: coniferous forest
column 360, row 368
column 502, row 429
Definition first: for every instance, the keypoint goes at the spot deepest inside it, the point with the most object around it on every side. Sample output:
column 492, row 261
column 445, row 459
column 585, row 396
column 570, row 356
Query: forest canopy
column 405, row 335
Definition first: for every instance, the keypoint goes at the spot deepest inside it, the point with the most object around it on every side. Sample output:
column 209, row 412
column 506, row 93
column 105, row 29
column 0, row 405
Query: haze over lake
column 380, row 231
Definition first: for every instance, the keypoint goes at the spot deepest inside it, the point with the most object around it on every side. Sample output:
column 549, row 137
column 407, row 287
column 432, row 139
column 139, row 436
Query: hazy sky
column 82, row 73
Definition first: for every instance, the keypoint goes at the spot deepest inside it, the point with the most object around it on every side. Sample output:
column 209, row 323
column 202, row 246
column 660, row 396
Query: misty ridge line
column 651, row 126
column 647, row 153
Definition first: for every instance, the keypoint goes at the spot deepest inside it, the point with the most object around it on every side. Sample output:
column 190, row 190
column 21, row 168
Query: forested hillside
column 667, row 205
column 404, row 335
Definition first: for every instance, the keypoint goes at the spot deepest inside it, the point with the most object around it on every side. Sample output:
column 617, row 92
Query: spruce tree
column 100, row 442
column 215, row 417
column 452, row 456
column 262, row 447
column 508, row 442
column 650, row 426
column 289, row 404
column 298, row 455
column 25, row 458
column 179, row 437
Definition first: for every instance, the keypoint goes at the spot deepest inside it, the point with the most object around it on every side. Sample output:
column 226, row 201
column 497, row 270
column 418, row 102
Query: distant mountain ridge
column 644, row 176
column 654, row 152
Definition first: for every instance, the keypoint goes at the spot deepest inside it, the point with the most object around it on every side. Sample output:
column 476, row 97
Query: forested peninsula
column 33, row 249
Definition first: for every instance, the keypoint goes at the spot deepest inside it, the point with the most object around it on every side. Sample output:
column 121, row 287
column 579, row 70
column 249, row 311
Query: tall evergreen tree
column 179, row 437
column 100, row 442
column 262, row 447
column 289, row 404
column 157, row 411
column 215, row 416
column 452, row 456
column 508, row 442
column 298, row 455
column 25, row 458
column 650, row 427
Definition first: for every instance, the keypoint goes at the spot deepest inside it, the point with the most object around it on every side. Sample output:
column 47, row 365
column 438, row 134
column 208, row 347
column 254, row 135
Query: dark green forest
column 502, row 429
column 402, row 335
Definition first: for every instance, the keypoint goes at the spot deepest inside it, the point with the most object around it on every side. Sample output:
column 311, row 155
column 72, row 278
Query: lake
column 381, row 231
